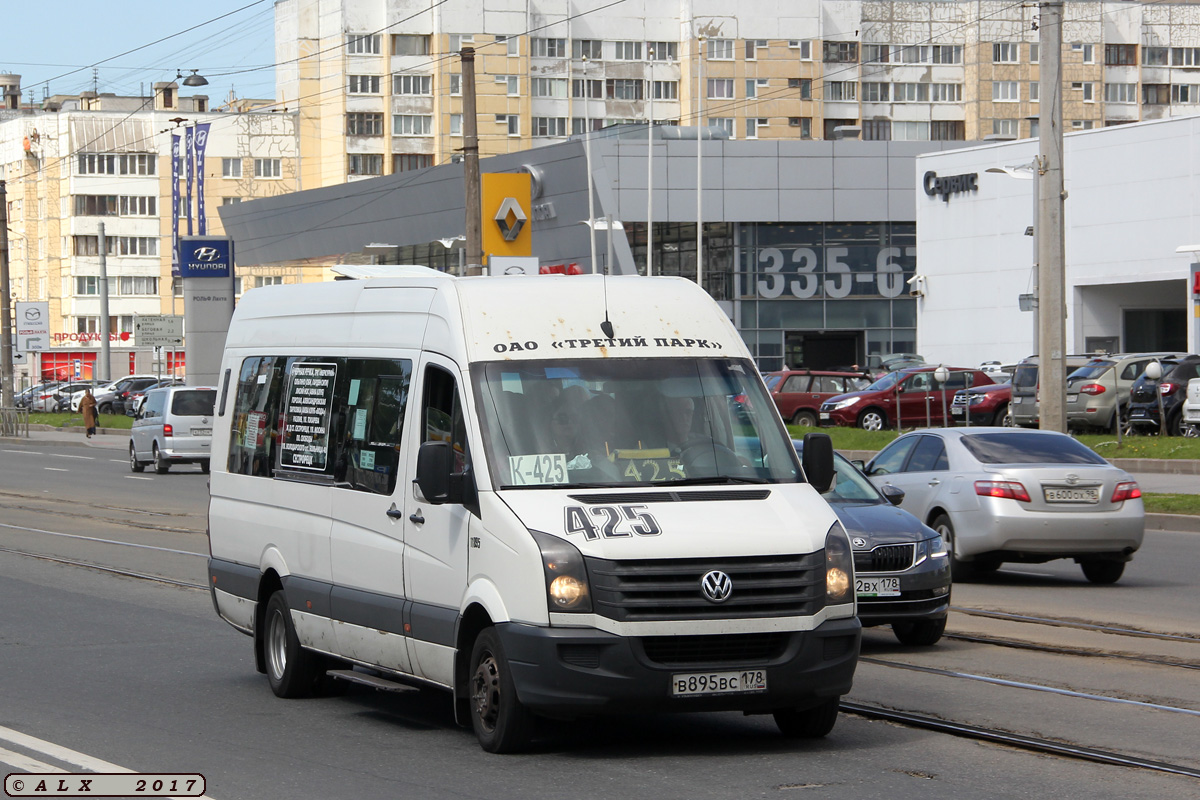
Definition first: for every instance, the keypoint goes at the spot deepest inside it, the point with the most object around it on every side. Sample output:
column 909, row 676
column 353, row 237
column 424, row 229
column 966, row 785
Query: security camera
column 916, row 286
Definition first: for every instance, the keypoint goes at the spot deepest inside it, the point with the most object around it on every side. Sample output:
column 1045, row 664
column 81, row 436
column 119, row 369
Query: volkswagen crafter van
column 534, row 492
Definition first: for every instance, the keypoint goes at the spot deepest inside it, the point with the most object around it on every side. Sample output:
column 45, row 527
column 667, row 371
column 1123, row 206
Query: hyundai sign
column 205, row 257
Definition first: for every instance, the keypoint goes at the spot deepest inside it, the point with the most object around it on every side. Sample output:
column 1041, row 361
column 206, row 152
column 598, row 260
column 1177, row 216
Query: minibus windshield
column 629, row 422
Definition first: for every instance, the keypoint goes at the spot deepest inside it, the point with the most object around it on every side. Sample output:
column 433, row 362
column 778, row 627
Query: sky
column 60, row 41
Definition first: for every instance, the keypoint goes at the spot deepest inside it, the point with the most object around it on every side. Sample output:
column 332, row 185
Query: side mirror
column 894, row 494
column 859, row 464
column 818, row 461
column 434, row 461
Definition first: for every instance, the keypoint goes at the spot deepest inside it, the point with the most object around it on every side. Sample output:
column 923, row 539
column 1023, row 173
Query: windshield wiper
column 710, row 481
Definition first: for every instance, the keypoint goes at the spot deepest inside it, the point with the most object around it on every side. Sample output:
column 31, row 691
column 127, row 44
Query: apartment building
column 79, row 161
column 378, row 85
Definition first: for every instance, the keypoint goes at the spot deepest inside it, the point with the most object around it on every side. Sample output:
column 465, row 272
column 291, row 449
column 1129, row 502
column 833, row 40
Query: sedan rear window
column 1091, row 370
column 194, row 404
column 1028, row 448
column 1025, row 377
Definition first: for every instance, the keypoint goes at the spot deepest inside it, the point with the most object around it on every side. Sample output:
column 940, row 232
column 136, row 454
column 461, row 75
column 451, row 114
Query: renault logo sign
column 511, row 218
column 716, row 586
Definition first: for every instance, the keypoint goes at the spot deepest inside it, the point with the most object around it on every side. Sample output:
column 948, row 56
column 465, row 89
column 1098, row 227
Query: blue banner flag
column 175, row 165
column 201, row 144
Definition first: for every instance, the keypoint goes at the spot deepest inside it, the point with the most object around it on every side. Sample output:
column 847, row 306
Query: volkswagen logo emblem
column 717, row 586
column 858, row 543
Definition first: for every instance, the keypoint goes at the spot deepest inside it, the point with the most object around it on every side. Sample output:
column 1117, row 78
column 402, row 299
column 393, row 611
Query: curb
column 1173, row 522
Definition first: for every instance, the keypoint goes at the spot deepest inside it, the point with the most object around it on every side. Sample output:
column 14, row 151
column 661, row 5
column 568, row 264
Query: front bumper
column 924, row 594
column 567, row 672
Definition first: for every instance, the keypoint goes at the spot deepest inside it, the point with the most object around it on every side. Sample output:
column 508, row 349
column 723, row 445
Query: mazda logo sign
column 716, row 586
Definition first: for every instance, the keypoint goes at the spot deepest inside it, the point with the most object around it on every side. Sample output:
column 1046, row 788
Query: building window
column 666, row 90
column 1185, row 56
column 512, row 45
column 662, row 51
column 1009, row 128
column 1154, row 56
column 946, row 54
column 1035, row 53
column 1082, row 124
column 1033, row 127
column 541, row 47
column 841, row 91
column 805, row 48
column 910, row 131
column 947, row 131
column 231, row 168
column 593, row 89
column 753, row 124
column 1086, row 88
column 457, row 40
column 913, row 54
column 366, row 164
column 840, row 52
column 362, row 44
column 1120, row 92
column 364, row 84
column 412, row 125
column 804, row 85
column 1185, row 93
column 456, row 124
column 512, row 84
column 752, row 48
column 419, row 85
column 85, row 285
column 95, row 164
column 753, row 85
column 1034, row 89
column 230, row 201
column 720, row 88
column 410, row 44
column 720, row 49
column 876, row 53
column 406, row 162
column 945, row 92
column 550, row 126
column 873, row 92
column 87, row 324
column 804, row 124
column 137, row 245
column 511, row 121
column 140, row 164
column 96, row 205
column 455, row 85
column 1088, row 52
column 910, row 93
column 133, row 285
column 584, row 124
column 1120, row 55
column 591, row 49
column 268, row 167
column 876, row 130
column 1005, row 52
column 549, row 87
column 627, row 51
column 363, row 124
column 624, row 89
column 1005, row 91
column 1156, row 94
column 725, row 123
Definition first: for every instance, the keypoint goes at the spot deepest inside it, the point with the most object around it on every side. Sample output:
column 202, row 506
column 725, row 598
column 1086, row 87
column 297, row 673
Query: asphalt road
column 143, row 675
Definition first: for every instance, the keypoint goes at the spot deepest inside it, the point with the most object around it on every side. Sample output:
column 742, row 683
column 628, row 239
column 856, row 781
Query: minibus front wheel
column 501, row 723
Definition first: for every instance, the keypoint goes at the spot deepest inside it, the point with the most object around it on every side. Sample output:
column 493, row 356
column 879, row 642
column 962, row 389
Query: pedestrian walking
column 87, row 407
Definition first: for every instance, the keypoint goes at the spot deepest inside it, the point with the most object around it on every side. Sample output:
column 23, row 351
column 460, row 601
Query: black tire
column 292, row 671
column 161, row 465
column 501, row 723
column 1102, row 571
column 959, row 570
column 205, row 466
column 919, row 632
column 811, row 723
column 104, row 409
column 1003, row 419
column 134, row 464
column 872, row 420
column 804, row 419
column 1175, row 424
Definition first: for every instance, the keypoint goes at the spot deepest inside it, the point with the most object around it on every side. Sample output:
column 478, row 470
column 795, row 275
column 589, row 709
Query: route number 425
column 611, row 522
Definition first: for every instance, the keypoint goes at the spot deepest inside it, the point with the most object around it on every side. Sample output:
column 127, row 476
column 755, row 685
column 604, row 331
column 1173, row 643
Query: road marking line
column 56, row 469
column 25, row 763
column 138, row 477
column 64, row 455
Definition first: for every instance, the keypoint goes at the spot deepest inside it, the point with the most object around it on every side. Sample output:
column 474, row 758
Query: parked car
column 878, row 366
column 1038, row 495
column 1143, row 397
column 44, row 398
column 130, row 401
column 913, row 394
column 63, row 394
column 1024, row 406
column 798, row 393
column 1098, row 392
column 1191, row 407
column 989, row 405
column 173, row 427
column 107, row 394
column 901, row 568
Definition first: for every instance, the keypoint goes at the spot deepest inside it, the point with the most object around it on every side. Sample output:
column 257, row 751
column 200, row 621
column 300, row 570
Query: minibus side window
column 441, row 411
column 255, row 412
column 369, row 402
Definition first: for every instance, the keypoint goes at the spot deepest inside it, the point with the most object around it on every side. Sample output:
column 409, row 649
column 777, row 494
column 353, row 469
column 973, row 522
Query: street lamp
column 192, row 80
column 650, row 167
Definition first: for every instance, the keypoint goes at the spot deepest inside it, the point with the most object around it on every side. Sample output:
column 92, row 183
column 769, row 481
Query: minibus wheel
column 811, row 723
column 502, row 724
column 291, row 670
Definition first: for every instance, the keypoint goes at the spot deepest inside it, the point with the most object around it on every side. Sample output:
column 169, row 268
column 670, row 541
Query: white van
column 554, row 496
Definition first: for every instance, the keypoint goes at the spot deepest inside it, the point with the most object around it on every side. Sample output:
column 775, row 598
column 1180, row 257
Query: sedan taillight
column 1126, row 490
column 168, row 430
column 1167, row 388
column 1092, row 389
column 1011, row 490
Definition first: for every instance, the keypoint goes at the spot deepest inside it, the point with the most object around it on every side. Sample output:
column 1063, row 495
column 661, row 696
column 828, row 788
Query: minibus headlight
column 566, row 576
column 839, row 567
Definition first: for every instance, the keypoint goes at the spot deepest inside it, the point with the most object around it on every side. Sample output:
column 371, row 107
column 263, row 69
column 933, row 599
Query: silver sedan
column 1013, row 495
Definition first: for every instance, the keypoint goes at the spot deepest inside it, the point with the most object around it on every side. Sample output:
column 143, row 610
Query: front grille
column 762, row 586
column 885, row 558
column 741, row 649
column 580, row 655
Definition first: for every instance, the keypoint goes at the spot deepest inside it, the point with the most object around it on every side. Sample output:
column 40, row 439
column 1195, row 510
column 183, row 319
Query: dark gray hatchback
column 901, row 568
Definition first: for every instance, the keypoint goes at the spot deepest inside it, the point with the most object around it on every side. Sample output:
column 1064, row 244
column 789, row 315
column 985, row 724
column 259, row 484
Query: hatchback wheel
column 804, row 419
column 959, row 570
column 919, row 632
column 872, row 420
column 1101, row 571
column 1003, row 417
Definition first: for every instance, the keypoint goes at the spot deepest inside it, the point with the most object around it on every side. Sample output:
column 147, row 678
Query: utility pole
column 650, row 168
column 6, row 322
column 474, row 203
column 1052, row 311
column 700, row 89
column 105, row 356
